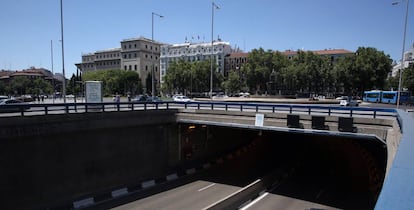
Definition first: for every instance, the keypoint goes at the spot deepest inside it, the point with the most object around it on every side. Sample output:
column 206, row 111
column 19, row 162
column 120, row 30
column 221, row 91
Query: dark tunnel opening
column 338, row 171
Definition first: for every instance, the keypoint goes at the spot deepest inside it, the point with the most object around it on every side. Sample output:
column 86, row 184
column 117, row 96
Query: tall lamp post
column 53, row 74
column 152, row 54
column 403, row 57
column 213, row 6
column 63, row 54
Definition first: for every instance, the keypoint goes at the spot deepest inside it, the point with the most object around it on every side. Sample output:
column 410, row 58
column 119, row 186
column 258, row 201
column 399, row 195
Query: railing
column 67, row 108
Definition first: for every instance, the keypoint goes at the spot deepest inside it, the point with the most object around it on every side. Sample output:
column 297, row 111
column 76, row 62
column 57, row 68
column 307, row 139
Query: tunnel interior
column 338, row 171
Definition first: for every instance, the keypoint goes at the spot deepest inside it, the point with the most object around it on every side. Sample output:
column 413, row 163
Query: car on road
column 139, row 98
column 348, row 102
column 181, row 99
column 3, row 98
column 153, row 99
column 145, row 98
column 6, row 105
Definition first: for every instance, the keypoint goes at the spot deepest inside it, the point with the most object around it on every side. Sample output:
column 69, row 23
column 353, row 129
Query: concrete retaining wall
column 45, row 159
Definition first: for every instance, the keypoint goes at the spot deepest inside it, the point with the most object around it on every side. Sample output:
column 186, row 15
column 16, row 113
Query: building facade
column 333, row 54
column 408, row 60
column 194, row 52
column 234, row 61
column 136, row 54
column 101, row 60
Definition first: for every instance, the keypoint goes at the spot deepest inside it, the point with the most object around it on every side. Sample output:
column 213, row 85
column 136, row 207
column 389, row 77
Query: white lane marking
column 254, row 201
column 232, row 194
column 206, row 187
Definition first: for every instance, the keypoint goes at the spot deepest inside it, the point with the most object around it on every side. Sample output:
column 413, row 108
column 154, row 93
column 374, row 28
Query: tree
column 185, row 77
column 232, row 84
column 19, row 85
column 408, row 78
column 116, row 81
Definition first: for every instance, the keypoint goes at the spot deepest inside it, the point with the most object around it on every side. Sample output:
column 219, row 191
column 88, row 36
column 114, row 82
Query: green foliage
column 232, row 84
column 308, row 72
column 273, row 72
column 21, row 85
column 116, row 81
column 189, row 77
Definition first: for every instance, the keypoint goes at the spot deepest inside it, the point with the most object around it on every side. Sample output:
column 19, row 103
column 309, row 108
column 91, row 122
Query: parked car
column 6, row 105
column 181, row 99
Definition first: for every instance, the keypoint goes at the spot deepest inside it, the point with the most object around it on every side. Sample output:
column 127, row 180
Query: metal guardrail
column 67, row 108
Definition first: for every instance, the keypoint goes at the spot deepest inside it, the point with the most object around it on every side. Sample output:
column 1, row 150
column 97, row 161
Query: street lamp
column 213, row 6
column 53, row 74
column 403, row 57
column 63, row 54
column 152, row 54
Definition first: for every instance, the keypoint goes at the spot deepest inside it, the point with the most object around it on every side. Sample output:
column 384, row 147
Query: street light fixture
column 213, row 6
column 63, row 54
column 403, row 57
column 152, row 54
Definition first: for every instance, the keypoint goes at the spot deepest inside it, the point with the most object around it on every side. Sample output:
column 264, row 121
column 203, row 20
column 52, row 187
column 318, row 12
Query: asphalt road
column 297, row 185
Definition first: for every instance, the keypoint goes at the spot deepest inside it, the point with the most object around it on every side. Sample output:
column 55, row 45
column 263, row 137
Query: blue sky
column 28, row 26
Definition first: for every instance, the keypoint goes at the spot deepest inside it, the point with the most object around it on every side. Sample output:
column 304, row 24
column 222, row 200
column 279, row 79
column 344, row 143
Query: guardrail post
column 198, row 106
column 226, row 107
column 290, row 109
column 46, row 110
column 375, row 114
column 257, row 108
column 241, row 107
column 86, row 108
column 309, row 110
column 273, row 109
column 350, row 113
column 329, row 111
column 117, row 107
column 66, row 109
column 156, row 106
column 168, row 105
column 145, row 106
column 185, row 105
column 212, row 106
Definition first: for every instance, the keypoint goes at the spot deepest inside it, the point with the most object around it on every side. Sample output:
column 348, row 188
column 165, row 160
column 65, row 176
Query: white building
column 408, row 59
column 193, row 52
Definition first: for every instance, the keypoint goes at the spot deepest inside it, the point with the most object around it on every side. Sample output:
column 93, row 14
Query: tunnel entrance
column 344, row 172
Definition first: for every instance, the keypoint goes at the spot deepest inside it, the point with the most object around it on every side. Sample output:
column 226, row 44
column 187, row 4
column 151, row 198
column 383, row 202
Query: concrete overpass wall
column 45, row 159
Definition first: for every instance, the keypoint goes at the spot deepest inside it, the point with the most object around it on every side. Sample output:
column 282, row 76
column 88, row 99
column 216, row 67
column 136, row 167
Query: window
column 125, row 67
column 135, row 55
column 135, row 45
column 129, row 46
column 146, row 68
column 129, row 67
column 135, row 67
column 146, row 46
